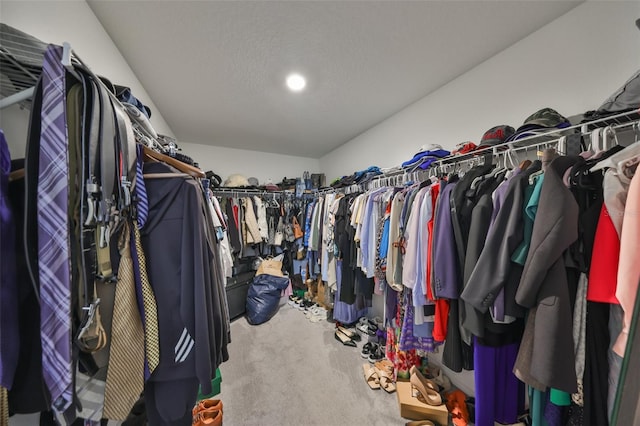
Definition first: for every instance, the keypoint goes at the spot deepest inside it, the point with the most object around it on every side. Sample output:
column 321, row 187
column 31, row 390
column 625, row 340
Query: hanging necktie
column 152, row 342
column 141, row 191
column 4, row 407
column 53, row 238
column 125, row 378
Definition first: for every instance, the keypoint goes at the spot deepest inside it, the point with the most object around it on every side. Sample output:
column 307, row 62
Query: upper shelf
column 21, row 57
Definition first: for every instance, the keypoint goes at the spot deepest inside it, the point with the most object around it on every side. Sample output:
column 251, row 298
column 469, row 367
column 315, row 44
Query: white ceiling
column 216, row 69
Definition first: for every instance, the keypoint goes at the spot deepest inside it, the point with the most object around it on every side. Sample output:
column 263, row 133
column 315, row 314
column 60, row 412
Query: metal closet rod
column 584, row 128
column 478, row 156
column 248, row 192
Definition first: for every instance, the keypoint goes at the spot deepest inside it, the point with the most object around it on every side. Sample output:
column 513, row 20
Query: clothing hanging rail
column 249, row 192
column 397, row 176
column 585, row 128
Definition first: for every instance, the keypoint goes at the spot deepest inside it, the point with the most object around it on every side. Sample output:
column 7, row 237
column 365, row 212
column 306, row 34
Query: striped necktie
column 152, row 342
column 125, row 378
column 53, row 237
column 141, row 191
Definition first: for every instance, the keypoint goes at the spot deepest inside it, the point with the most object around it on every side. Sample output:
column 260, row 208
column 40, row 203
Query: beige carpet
column 290, row 371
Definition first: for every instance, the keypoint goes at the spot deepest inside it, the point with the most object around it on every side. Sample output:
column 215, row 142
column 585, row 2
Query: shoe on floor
column 344, row 339
column 367, row 349
column 420, row 423
column 208, row 418
column 207, row 404
column 376, row 355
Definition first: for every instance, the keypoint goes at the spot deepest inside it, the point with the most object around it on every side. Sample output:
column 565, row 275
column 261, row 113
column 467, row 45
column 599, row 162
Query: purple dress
column 344, row 312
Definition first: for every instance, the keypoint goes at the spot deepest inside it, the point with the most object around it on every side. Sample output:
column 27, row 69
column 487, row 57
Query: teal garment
column 519, row 255
column 537, row 399
column 560, row 398
column 537, row 404
column 532, row 208
column 557, row 397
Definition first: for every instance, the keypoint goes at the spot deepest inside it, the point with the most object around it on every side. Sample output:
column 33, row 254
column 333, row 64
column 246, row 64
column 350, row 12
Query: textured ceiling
column 216, row 70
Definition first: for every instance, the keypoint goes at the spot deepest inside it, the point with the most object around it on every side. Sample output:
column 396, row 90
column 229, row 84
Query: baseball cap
column 545, row 117
column 464, row 147
column 539, row 122
column 496, row 135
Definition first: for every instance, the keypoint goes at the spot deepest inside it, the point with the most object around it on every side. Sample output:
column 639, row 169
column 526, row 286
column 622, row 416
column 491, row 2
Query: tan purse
column 270, row 267
column 297, row 230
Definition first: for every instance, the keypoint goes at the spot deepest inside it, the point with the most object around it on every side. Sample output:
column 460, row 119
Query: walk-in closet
column 330, row 213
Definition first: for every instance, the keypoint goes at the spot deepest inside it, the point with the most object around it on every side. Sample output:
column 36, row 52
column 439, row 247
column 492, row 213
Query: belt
column 31, row 189
column 90, row 336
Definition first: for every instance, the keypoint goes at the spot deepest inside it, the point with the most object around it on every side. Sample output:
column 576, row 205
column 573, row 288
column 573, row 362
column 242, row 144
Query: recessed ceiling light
column 296, row 82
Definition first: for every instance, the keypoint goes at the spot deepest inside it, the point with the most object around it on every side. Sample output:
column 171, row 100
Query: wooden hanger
column 16, row 174
column 183, row 167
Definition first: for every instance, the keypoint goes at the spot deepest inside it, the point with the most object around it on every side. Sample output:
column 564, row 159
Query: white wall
column 261, row 165
column 572, row 65
column 73, row 22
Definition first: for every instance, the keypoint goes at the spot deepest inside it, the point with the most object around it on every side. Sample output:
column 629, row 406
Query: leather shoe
column 207, row 404
column 208, row 418
column 344, row 339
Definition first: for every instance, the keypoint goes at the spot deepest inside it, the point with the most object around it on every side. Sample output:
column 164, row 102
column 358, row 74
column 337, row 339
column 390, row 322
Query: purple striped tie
column 141, row 190
column 53, row 237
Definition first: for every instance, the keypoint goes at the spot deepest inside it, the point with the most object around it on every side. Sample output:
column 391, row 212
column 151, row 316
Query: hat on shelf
column 270, row 186
column 236, row 180
column 495, row 136
column 366, row 175
column 253, row 181
column 425, row 156
column 464, row 148
column 546, row 117
column 431, row 147
column 539, row 122
column 215, row 179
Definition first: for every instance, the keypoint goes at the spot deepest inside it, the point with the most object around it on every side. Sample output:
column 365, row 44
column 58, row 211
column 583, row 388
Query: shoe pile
column 367, row 326
column 346, row 336
column 380, row 375
column 372, row 351
column 316, row 313
column 207, row 412
column 312, row 311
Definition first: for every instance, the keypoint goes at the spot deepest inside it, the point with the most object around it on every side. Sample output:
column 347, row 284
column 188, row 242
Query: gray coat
column 546, row 357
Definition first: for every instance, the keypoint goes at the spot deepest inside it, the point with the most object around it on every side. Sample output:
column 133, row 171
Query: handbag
column 279, row 237
column 288, row 232
column 270, row 267
column 297, row 231
column 301, row 254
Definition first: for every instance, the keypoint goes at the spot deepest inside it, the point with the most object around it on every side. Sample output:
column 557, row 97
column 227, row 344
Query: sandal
column 349, row 333
column 376, row 355
column 371, row 376
column 367, row 349
column 386, row 380
column 344, row 339
column 384, row 364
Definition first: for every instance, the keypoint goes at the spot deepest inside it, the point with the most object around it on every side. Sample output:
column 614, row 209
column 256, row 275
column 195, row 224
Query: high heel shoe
column 426, row 388
column 344, row 339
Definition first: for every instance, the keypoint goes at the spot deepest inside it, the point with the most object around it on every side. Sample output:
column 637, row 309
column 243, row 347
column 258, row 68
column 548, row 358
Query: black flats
column 344, row 339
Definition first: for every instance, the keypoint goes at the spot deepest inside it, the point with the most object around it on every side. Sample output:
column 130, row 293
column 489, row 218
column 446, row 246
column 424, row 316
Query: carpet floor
column 290, row 371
